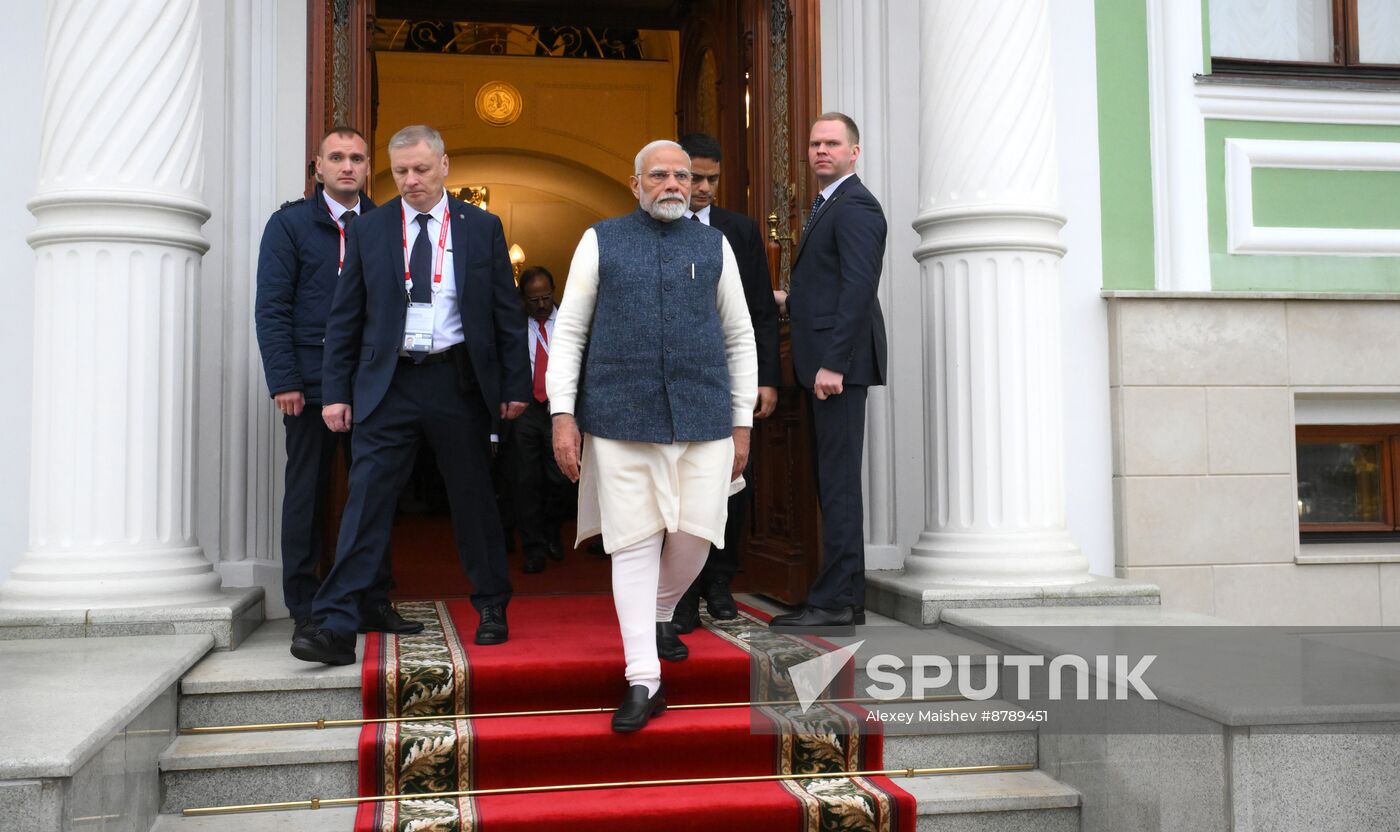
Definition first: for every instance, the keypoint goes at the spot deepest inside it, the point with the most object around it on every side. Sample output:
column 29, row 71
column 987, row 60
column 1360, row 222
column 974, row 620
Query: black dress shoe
column 555, row 553
column 534, row 563
column 493, row 628
column 815, row 617
column 303, row 627
column 718, row 600
column 687, row 615
column 325, row 646
column 383, row 618
column 669, row 645
column 858, row 615
column 637, row 709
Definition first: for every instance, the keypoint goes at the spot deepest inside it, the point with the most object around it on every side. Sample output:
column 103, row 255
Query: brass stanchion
column 347, row 723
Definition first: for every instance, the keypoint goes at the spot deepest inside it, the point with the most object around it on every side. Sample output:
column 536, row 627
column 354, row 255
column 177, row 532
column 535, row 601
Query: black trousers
column 538, row 488
column 838, row 440
column 430, row 403
column 311, row 450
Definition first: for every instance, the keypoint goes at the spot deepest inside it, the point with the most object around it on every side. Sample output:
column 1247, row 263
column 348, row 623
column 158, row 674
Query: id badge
column 418, row 330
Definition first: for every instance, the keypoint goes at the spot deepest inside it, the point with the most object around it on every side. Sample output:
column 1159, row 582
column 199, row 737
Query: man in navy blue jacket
column 298, row 265
column 838, row 352
column 425, row 343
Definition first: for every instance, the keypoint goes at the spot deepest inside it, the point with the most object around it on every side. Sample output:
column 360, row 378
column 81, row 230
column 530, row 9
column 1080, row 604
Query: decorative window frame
column 1242, row 156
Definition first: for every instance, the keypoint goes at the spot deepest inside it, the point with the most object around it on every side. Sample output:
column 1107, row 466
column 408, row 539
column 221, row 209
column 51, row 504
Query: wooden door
column 750, row 76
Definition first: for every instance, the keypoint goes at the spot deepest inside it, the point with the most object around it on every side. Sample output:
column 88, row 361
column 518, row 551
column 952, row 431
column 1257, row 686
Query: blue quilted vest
column 655, row 369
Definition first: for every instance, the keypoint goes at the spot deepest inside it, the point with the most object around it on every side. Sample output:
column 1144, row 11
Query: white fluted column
column 989, row 255
column 117, row 250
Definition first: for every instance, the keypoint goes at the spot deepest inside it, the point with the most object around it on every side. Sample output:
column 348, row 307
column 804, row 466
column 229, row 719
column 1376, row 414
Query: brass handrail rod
column 346, row 723
column 318, row 803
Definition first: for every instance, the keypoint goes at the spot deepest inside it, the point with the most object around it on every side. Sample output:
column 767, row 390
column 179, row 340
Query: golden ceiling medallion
column 498, row 103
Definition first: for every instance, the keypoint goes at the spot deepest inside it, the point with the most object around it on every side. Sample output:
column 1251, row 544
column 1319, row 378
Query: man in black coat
column 298, row 265
column 838, row 351
column 747, row 242
column 425, row 342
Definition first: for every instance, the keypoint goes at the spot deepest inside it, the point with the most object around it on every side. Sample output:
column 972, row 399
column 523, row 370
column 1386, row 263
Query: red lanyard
column 441, row 255
column 339, row 226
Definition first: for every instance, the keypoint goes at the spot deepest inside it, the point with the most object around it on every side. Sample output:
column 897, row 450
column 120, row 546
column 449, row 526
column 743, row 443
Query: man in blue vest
column 298, row 264
column 652, row 381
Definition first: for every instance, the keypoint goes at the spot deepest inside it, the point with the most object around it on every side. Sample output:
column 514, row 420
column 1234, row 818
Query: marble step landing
column 1012, row 802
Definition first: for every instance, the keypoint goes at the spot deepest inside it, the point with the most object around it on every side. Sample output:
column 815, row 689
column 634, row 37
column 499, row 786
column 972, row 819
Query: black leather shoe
column 534, row 563
column 383, row 618
column 303, row 627
column 669, row 645
column 325, row 646
column 858, row 615
column 687, row 615
column 637, row 709
column 493, row 628
column 555, row 553
column 815, row 617
column 718, row 600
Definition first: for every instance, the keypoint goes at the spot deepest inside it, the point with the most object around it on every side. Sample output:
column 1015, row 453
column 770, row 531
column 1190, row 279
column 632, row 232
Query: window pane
column 1273, row 30
column 1378, row 29
column 1339, row 483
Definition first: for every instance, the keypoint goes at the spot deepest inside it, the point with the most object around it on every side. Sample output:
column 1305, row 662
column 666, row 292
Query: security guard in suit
column 298, row 265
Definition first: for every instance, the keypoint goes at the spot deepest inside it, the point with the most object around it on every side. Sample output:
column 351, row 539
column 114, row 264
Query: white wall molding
column 1174, row 59
column 1243, row 156
column 1250, row 102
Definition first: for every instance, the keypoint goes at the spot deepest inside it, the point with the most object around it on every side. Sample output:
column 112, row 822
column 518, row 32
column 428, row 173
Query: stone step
column 1010, row 802
column 275, row 766
column 262, row 682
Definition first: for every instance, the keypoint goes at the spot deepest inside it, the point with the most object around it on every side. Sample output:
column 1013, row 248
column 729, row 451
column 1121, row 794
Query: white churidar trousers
column 648, row 581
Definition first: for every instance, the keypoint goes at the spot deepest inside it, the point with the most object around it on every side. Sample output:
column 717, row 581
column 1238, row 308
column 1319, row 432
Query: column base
column 982, row 559
column 230, row 616
column 915, row 600
column 110, row 579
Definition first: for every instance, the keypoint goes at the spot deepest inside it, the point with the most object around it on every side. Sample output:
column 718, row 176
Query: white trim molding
column 1242, row 156
column 1174, row 59
column 1250, row 102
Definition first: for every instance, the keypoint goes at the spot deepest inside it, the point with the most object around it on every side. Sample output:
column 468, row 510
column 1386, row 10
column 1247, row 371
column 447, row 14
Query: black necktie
column 347, row 218
column 420, row 263
column 812, row 214
column 696, row 217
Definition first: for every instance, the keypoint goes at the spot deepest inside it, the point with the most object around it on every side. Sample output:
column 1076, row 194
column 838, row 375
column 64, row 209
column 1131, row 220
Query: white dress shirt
column 447, row 318
column 703, row 214
column 338, row 210
column 534, row 330
column 831, row 189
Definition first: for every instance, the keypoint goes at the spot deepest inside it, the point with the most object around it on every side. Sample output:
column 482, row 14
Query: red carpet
column 565, row 652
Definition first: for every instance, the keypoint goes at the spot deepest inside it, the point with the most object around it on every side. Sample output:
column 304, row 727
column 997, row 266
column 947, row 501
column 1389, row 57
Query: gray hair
column 649, row 149
column 415, row 133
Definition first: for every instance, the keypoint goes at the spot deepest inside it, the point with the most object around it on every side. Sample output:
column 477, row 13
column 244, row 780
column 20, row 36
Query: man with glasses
column 652, row 382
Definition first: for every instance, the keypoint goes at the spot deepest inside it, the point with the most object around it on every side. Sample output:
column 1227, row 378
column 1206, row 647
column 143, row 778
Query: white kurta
column 629, row 491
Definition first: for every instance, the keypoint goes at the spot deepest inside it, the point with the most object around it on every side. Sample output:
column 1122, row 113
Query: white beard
column 666, row 208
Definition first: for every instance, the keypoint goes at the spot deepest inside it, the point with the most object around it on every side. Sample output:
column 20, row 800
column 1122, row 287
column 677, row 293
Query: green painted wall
column 1231, row 272
column 1125, row 150
column 1333, row 198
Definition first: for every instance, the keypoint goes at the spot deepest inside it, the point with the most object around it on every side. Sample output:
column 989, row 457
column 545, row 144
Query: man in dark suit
column 538, row 488
column 747, row 242
column 838, row 351
column 298, row 264
column 425, row 342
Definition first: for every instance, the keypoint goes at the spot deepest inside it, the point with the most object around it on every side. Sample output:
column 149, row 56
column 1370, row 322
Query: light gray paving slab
column 31, row 806
column 255, row 784
column 1231, row 674
column 263, row 707
column 336, row 819
column 264, row 748
column 996, row 792
column 264, row 663
column 921, row 603
column 229, row 618
column 1031, row 820
column 97, row 685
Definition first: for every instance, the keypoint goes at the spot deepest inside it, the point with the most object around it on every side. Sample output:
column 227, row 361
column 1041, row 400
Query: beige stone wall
column 1205, row 489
